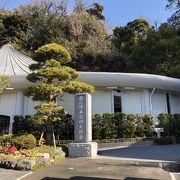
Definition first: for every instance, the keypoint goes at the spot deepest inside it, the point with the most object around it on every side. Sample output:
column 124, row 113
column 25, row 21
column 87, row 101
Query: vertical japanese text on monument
column 81, row 117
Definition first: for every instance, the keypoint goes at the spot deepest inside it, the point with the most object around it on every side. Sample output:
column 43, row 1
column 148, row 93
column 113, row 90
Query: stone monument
column 83, row 145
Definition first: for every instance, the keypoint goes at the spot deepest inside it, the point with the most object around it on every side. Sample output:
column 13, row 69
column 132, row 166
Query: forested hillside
column 137, row 47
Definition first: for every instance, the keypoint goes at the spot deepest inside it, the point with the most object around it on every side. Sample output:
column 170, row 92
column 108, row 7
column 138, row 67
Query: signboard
column 83, row 130
column 158, row 131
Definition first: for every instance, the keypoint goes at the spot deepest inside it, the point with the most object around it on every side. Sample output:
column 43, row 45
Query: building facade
column 115, row 92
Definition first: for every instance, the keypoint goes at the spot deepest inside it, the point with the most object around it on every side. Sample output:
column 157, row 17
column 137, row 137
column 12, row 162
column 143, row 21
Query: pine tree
column 53, row 78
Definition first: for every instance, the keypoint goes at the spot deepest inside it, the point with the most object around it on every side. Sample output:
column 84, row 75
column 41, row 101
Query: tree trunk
column 40, row 140
column 49, row 133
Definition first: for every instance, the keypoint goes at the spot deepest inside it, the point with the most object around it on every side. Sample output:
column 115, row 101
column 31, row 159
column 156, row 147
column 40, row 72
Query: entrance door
column 4, row 124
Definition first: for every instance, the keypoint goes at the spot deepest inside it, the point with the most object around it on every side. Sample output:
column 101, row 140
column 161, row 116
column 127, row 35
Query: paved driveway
column 8, row 174
column 98, row 169
column 151, row 153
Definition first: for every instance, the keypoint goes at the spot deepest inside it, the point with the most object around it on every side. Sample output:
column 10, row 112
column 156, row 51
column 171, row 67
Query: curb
column 148, row 164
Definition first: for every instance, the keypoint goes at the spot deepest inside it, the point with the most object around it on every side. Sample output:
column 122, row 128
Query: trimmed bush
column 121, row 125
column 6, row 140
column 164, row 122
column 26, row 141
column 25, row 124
column 171, row 124
column 120, row 119
column 108, row 126
column 148, row 125
column 63, row 129
column 96, row 126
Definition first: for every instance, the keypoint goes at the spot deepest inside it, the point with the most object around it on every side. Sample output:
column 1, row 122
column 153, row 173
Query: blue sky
column 119, row 12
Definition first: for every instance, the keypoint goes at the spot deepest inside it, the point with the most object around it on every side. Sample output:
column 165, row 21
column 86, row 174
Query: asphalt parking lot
column 8, row 174
column 99, row 169
column 129, row 163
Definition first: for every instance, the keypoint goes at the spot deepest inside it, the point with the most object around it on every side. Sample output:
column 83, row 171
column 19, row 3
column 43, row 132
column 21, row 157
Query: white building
column 115, row 92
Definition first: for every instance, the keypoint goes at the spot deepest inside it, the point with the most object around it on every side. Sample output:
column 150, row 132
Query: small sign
column 158, row 131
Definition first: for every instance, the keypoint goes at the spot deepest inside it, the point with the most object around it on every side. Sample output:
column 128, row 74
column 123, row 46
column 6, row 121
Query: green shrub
column 148, row 125
column 121, row 125
column 26, row 141
column 6, row 140
column 108, row 126
column 139, row 132
column 170, row 123
column 96, row 126
column 130, row 126
column 164, row 122
column 175, row 125
column 120, row 119
column 25, row 124
column 64, row 129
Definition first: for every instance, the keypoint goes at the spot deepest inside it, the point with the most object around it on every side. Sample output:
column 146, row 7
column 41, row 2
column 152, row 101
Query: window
column 168, row 103
column 117, row 101
column 4, row 124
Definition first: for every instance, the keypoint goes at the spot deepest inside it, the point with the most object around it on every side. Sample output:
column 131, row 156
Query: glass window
column 4, row 124
column 117, row 101
column 117, row 104
column 168, row 103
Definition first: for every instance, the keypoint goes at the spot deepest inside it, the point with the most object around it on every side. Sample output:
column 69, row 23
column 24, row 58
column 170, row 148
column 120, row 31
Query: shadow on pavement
column 132, row 178
column 93, row 178
column 76, row 178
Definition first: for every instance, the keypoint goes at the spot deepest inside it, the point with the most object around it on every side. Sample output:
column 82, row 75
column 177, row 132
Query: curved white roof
column 106, row 79
column 13, row 63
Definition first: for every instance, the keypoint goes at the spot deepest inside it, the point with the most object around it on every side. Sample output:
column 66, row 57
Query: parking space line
column 22, row 177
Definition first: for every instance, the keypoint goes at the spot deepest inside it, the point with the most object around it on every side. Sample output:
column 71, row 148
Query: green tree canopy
column 126, row 37
column 96, row 10
column 14, row 28
column 47, row 22
column 157, row 54
column 174, row 20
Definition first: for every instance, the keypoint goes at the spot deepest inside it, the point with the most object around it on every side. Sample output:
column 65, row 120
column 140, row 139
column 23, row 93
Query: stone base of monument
column 88, row 149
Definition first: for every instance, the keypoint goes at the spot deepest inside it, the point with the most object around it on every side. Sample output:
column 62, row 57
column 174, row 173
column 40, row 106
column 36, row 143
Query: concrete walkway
column 144, row 153
column 98, row 169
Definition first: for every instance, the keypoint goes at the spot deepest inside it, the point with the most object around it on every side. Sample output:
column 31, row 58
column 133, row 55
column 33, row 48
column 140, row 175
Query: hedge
column 105, row 126
column 170, row 123
column 64, row 129
column 121, row 125
column 24, row 141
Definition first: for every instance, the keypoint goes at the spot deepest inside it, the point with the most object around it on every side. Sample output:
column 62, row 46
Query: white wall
column 101, row 102
column 29, row 106
column 174, row 103
column 131, row 101
column 159, row 104
column 8, row 106
column 67, row 103
column 145, row 97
